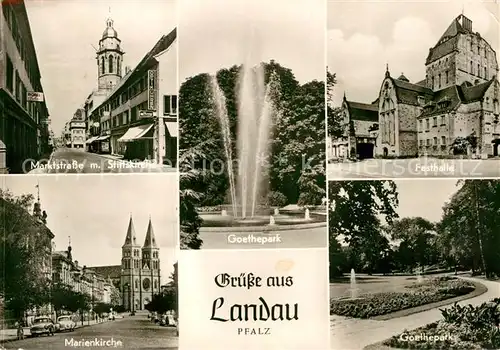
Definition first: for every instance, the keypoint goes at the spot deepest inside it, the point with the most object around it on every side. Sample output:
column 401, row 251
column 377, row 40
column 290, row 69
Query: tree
column 416, row 240
column 334, row 114
column 62, row 297
column 163, row 302
column 468, row 234
column 25, row 244
column 354, row 219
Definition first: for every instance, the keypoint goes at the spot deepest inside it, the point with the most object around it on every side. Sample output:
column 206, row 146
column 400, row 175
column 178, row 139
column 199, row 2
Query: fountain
column 307, row 215
column 353, row 290
column 419, row 275
column 257, row 110
column 272, row 221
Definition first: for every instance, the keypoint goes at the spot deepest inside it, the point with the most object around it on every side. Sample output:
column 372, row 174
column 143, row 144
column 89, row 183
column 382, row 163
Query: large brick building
column 454, row 110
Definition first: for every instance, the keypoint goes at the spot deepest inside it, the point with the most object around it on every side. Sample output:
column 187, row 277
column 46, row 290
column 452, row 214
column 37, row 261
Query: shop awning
column 102, row 138
column 172, row 128
column 135, row 133
column 92, row 139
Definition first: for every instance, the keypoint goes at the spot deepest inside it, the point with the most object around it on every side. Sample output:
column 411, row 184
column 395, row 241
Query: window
column 485, row 73
column 169, row 104
column 428, row 142
column 427, row 124
column 434, row 121
column 102, row 66
column 110, row 64
column 432, row 83
column 118, row 68
column 447, row 78
column 435, row 140
column 471, row 67
column 443, row 140
column 17, row 87
column 421, row 100
column 442, row 120
column 439, row 81
column 420, row 124
column 10, row 74
column 479, row 70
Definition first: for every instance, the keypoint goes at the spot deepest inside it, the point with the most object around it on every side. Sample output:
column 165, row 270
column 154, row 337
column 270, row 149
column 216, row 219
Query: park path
column 355, row 334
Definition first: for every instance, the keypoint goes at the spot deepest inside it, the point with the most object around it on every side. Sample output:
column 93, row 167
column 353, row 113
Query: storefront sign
column 35, row 96
column 152, row 89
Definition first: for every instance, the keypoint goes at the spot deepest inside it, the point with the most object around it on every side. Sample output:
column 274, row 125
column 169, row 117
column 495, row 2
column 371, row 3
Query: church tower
column 460, row 56
column 109, row 58
column 150, row 273
column 131, row 268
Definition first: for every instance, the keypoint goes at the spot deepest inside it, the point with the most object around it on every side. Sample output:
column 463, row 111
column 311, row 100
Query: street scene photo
column 86, row 264
column 252, row 124
column 414, row 264
column 88, row 92
column 414, row 91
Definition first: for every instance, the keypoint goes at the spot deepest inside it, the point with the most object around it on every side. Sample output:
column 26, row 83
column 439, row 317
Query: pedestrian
column 20, row 330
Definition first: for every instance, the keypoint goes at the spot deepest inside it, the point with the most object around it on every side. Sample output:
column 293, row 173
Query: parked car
column 65, row 323
column 42, row 325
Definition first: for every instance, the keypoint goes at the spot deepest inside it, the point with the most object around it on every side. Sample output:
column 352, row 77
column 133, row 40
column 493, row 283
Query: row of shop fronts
column 137, row 142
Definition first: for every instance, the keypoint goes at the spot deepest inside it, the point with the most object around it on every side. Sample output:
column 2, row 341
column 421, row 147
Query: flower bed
column 462, row 328
column 430, row 291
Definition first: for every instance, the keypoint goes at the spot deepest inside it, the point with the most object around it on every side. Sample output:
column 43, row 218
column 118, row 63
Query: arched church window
column 118, row 65
column 110, row 64
column 136, row 284
column 102, row 66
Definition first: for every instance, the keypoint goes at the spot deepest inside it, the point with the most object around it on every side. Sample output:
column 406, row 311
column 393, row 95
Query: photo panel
column 413, row 89
column 414, row 264
column 88, row 262
column 88, row 91
column 252, row 124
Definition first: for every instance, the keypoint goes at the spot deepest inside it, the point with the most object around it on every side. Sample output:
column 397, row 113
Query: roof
column 449, row 95
column 363, row 111
column 150, row 241
column 455, row 95
column 130, row 238
column 112, row 271
column 449, row 40
column 408, row 93
column 474, row 93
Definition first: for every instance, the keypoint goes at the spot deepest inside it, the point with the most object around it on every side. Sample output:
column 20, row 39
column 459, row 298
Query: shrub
column 276, row 199
column 462, row 328
column 431, row 291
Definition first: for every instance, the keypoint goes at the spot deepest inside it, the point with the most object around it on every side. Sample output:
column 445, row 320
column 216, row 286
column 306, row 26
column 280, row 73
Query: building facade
column 359, row 124
column 140, row 278
column 453, row 111
column 137, row 117
column 82, row 279
column 77, row 129
column 24, row 121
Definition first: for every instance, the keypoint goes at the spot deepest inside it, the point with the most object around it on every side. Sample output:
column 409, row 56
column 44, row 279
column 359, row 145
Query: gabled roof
column 454, row 28
column 474, row 93
column 362, row 111
column 407, row 93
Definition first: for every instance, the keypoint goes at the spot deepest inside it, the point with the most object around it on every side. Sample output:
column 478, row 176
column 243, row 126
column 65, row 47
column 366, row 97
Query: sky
column 364, row 36
column 424, row 198
column 215, row 34
column 94, row 210
column 65, row 32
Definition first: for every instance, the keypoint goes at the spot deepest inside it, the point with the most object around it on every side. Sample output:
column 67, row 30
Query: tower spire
column 150, row 241
column 130, row 238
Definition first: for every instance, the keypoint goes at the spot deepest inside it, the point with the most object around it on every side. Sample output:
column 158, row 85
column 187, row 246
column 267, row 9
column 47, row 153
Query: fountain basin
column 285, row 218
